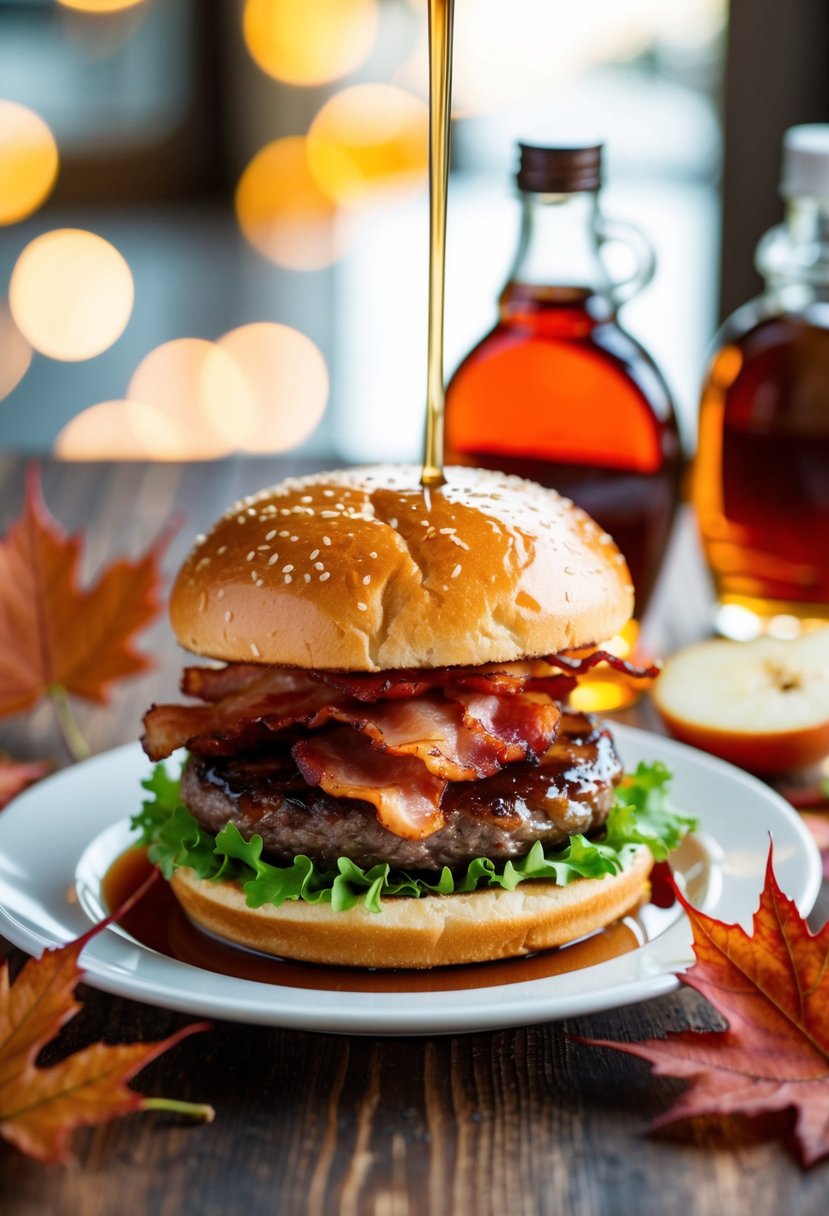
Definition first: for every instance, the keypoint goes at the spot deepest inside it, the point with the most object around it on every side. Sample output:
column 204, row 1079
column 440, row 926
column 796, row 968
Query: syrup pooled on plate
column 158, row 922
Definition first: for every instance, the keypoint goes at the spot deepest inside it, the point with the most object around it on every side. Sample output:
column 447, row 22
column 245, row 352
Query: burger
column 382, row 769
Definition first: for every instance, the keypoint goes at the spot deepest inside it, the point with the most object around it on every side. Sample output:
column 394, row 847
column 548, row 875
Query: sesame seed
column 262, row 548
column 284, row 532
column 366, row 580
column 288, row 579
column 221, row 549
column 363, row 607
column 254, row 575
column 319, row 565
column 273, row 559
column 220, row 594
column 456, row 540
column 424, row 523
column 255, row 651
column 329, row 514
column 448, row 531
column 228, row 616
column 323, row 577
column 316, row 553
column 569, row 570
column 307, row 577
column 328, row 493
column 201, row 538
column 205, row 561
column 287, row 569
column 392, row 523
column 326, row 540
column 260, row 582
column 202, row 601
column 240, row 519
column 306, row 498
column 372, row 554
column 251, row 556
column 270, row 535
column 456, row 571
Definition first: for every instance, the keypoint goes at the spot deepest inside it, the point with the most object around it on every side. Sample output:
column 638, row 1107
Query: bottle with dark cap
column 558, row 391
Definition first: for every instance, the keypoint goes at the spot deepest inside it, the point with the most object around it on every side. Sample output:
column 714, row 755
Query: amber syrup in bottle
column 761, row 479
column 558, row 391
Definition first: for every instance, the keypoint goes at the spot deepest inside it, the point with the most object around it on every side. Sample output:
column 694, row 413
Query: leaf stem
column 195, row 1110
column 76, row 744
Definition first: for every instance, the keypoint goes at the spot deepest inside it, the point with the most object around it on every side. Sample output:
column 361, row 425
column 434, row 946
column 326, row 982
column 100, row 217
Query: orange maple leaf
column 40, row 1107
column 15, row 775
column 54, row 634
column 772, row 987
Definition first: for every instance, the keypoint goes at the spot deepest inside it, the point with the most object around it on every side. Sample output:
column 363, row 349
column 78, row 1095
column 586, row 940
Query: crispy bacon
column 407, row 796
column 578, row 665
column 399, row 737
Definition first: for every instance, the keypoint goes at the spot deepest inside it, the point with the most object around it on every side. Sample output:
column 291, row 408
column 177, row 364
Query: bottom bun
column 434, row 931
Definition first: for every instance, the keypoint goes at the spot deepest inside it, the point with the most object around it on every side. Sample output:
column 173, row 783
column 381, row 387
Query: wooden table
column 516, row 1121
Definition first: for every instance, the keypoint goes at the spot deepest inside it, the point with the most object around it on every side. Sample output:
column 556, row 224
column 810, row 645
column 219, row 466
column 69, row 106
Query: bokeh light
column 106, row 432
column 284, row 214
column 15, row 353
column 28, row 161
column 310, row 42
column 369, row 140
column 100, row 6
column 71, row 294
column 200, row 401
column 288, row 382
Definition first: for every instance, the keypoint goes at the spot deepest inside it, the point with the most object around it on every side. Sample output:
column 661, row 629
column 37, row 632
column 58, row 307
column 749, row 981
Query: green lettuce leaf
column 173, row 837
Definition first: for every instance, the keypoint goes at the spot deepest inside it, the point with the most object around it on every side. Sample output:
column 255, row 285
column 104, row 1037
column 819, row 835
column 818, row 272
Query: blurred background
column 213, row 213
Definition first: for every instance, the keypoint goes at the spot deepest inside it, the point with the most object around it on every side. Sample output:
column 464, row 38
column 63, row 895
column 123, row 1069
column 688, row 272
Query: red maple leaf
column 40, row 1107
column 16, row 775
column 772, row 987
column 54, row 634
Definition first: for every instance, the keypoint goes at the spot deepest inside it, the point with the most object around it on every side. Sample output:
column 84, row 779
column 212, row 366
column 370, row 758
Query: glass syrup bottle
column 761, row 478
column 558, row 391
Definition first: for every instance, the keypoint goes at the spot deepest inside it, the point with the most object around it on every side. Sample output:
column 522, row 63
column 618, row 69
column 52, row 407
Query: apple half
column 763, row 705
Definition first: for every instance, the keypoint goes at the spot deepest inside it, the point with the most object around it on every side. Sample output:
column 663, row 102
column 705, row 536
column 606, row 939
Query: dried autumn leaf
column 773, row 990
column 40, row 1107
column 53, row 632
column 16, row 775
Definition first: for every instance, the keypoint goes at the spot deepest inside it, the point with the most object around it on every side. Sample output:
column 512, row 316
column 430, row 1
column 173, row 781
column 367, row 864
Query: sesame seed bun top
column 362, row 570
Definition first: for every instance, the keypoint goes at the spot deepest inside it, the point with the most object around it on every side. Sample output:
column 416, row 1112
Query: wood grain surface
column 516, row 1121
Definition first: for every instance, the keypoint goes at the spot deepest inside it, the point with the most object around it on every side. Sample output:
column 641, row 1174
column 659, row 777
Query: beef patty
column 500, row 817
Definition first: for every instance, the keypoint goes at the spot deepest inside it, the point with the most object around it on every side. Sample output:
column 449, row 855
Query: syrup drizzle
column 441, row 18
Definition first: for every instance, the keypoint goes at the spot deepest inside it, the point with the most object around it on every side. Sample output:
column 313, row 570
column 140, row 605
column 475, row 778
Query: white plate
column 58, row 838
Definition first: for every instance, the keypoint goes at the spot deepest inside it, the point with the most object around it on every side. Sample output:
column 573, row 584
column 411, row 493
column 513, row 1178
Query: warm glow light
column 105, row 432
column 99, row 6
column 287, row 379
column 28, row 161
column 282, row 211
column 200, row 401
column 15, row 354
column 368, row 140
column 71, row 294
column 310, row 42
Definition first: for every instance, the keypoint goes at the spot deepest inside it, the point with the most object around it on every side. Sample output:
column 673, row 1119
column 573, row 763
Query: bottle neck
column 794, row 257
column 558, row 249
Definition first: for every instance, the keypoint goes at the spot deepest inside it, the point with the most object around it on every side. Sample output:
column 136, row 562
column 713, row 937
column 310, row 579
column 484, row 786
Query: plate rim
column 350, row 1012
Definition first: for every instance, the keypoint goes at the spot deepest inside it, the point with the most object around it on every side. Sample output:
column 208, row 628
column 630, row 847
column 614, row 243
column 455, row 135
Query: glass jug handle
column 639, row 249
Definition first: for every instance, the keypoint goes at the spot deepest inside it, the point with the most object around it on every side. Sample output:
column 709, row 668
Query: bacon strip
column 578, row 666
column 407, row 796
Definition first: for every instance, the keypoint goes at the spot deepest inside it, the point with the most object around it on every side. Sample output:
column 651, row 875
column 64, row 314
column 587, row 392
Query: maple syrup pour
column 441, row 17
column 158, row 922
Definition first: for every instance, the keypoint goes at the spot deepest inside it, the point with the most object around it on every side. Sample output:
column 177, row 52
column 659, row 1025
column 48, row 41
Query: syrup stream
column 441, row 17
